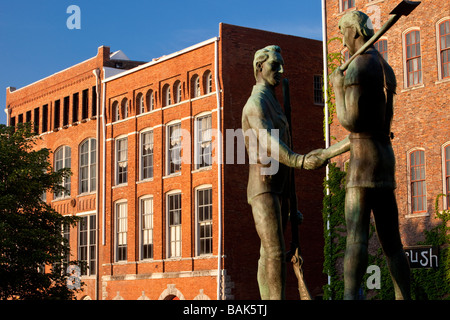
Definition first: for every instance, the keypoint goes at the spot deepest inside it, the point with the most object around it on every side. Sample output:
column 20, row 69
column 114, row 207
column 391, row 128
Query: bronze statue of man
column 265, row 125
column 364, row 105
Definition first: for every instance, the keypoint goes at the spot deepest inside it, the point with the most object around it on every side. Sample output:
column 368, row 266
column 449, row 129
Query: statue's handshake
column 315, row 159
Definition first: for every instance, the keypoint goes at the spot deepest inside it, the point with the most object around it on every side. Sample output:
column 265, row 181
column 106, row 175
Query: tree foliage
column 30, row 230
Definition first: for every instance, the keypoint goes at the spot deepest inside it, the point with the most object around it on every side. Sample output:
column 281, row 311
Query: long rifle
column 293, row 212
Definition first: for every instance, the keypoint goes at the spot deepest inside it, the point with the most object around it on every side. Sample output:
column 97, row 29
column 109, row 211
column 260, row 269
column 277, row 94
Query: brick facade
column 192, row 270
column 421, row 111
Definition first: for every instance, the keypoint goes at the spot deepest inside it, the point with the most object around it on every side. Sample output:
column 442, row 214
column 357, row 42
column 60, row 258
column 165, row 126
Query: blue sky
column 35, row 41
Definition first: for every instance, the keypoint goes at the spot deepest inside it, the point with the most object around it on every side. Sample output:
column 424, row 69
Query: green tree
column 30, row 230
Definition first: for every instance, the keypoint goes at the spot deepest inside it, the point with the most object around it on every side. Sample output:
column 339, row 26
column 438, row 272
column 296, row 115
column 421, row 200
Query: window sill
column 120, row 185
column 202, row 169
column 419, row 86
column 446, row 80
column 417, row 215
column 342, row 12
column 62, row 199
column 176, row 174
column 144, row 180
column 85, row 194
column 373, row 2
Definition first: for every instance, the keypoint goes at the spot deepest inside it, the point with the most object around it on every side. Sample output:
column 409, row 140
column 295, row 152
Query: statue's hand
column 315, row 159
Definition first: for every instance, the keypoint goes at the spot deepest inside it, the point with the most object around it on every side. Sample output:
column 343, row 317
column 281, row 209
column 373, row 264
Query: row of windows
column 202, row 145
column 87, row 237
column 87, row 156
column 417, row 186
column 87, row 167
column 204, row 232
column 171, row 94
column 61, row 113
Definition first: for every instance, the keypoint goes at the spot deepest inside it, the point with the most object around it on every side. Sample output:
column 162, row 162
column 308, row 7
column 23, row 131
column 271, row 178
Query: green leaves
column 30, row 229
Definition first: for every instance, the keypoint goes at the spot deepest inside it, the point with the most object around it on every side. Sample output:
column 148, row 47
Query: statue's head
column 356, row 28
column 359, row 21
column 268, row 65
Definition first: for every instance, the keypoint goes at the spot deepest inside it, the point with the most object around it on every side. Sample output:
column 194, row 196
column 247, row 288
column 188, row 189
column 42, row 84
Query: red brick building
column 157, row 180
column 418, row 49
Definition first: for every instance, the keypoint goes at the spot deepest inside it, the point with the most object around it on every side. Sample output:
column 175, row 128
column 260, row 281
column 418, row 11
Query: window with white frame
column 413, row 58
column 88, row 166
column 121, row 160
column 382, row 47
column 347, row 4
column 146, row 155
column 121, row 231
column 146, row 214
column 203, row 142
column 174, row 224
column 140, row 103
column 87, row 243
column 318, row 89
column 173, row 148
column 204, row 221
column 418, row 185
column 196, row 86
column 177, row 91
column 150, row 100
column 115, row 111
column 444, row 48
column 167, row 95
column 207, row 78
column 63, row 161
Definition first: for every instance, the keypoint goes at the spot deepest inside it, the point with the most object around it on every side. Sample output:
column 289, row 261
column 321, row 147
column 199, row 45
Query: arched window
column 150, row 100
column 207, row 81
column 115, row 111
column 167, row 96
column 140, row 106
column 195, row 86
column 413, row 58
column 177, row 91
column 88, row 166
column 418, row 184
column 63, row 160
column 124, row 107
column 444, row 48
